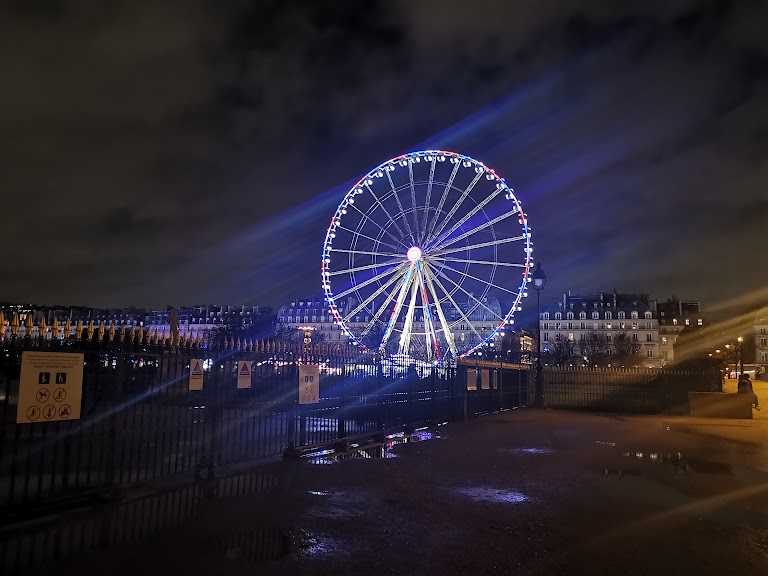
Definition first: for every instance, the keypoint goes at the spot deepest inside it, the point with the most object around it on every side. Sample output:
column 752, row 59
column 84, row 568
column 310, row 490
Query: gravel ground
column 523, row 492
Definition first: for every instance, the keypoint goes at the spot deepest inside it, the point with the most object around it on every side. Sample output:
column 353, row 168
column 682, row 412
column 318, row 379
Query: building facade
column 760, row 336
column 674, row 317
column 576, row 317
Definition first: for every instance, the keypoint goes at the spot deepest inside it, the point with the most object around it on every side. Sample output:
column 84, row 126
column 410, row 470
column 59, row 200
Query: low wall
column 720, row 405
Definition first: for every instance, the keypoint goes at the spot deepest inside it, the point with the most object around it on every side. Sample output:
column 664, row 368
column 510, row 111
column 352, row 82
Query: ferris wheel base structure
column 416, row 251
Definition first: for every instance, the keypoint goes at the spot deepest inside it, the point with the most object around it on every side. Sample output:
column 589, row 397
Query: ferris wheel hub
column 414, row 254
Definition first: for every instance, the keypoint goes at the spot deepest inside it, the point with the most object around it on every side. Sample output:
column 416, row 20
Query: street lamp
column 741, row 355
column 539, row 279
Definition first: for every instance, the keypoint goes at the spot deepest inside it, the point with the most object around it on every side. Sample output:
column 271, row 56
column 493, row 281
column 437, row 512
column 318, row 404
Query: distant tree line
column 594, row 350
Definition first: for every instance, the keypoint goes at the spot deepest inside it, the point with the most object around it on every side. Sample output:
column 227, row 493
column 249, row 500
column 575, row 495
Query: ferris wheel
column 422, row 252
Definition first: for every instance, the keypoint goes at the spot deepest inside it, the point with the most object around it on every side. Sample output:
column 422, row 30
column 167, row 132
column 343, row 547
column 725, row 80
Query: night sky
column 193, row 152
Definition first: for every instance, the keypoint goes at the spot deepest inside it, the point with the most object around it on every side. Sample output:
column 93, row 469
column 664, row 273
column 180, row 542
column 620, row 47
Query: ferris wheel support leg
column 440, row 313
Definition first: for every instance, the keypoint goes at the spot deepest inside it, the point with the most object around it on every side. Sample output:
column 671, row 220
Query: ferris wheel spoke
column 488, row 262
column 486, row 282
column 431, row 333
column 437, row 253
column 381, row 205
column 366, row 267
column 471, row 296
column 405, row 336
column 456, row 206
column 468, row 215
column 440, row 314
column 413, row 204
column 379, row 226
column 373, row 279
column 482, row 226
column 364, row 253
column 377, row 315
column 400, row 207
column 371, row 238
column 454, row 304
column 443, row 198
column 398, row 305
column 428, row 198
column 371, row 298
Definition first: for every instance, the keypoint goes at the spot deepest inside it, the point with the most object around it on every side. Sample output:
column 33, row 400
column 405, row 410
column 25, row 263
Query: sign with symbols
column 244, row 369
column 196, row 374
column 471, row 379
column 50, row 387
column 309, row 383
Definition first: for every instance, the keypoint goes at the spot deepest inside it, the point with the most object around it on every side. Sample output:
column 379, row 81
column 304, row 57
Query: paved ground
column 523, row 492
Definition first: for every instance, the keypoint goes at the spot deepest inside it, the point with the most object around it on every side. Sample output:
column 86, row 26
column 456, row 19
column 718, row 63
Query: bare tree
column 560, row 353
column 594, row 348
column 626, row 351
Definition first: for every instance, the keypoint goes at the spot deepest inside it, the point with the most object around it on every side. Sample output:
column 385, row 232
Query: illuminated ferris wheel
column 421, row 252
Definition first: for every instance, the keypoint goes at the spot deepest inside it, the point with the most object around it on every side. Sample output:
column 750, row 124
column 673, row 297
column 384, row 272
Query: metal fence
column 140, row 422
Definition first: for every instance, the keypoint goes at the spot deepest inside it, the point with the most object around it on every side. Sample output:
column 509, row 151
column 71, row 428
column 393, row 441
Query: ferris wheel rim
column 438, row 252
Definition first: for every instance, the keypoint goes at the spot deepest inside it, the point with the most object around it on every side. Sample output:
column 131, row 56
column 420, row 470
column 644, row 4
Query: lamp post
column 741, row 355
column 539, row 279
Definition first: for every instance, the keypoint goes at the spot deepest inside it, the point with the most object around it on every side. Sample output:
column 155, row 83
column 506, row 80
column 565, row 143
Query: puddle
column 256, row 545
column 480, row 494
column 533, row 450
column 683, row 464
column 371, row 449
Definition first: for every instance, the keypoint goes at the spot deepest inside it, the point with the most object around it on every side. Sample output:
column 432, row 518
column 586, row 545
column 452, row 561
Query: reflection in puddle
column 491, row 495
column 534, row 450
column 682, row 464
column 370, row 449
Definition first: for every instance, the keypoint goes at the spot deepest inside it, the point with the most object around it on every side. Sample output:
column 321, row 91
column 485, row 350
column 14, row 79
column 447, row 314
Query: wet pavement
column 523, row 492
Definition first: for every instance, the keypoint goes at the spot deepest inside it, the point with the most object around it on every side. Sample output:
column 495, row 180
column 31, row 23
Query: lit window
column 674, row 322
column 570, row 336
column 700, row 322
column 648, row 316
column 608, row 325
column 687, row 322
column 634, row 315
column 663, row 339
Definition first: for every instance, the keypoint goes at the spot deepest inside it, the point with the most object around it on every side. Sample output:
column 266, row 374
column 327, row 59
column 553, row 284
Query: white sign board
column 309, row 383
column 485, row 379
column 50, row 387
column 244, row 368
column 471, row 379
column 196, row 374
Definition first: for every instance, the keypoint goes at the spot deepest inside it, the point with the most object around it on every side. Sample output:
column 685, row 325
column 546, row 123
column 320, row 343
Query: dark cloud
column 159, row 151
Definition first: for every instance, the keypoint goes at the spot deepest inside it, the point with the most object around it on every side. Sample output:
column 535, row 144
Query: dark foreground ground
column 522, row 492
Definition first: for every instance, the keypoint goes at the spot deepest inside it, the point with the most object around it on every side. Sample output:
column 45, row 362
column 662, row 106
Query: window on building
column 622, row 315
column 546, row 325
column 674, row 322
column 764, row 357
column 608, row 316
column 648, row 325
column 582, row 315
column 570, row 325
column 546, row 315
column 608, row 338
column 634, row 337
column 558, row 316
column 649, row 337
column 570, row 316
column 570, row 336
column 663, row 339
column 649, row 352
column 700, row 322
column 664, row 354
column 546, row 337
column 762, row 330
column 595, row 315
column 648, row 316
column 763, row 341
column 634, row 315
column 594, row 325
column 687, row 322
column 622, row 326
column 582, row 336
column 583, row 325
column 557, row 337
column 634, row 325
column 608, row 325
